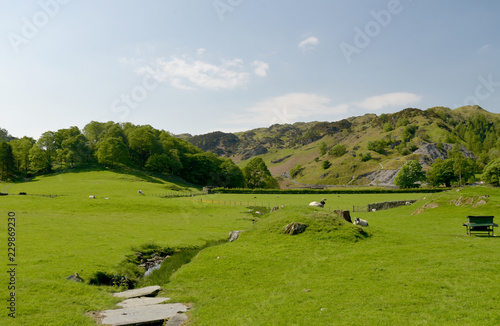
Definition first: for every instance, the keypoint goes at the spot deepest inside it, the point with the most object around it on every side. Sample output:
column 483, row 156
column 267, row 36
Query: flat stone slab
column 177, row 320
column 142, row 301
column 143, row 314
column 149, row 291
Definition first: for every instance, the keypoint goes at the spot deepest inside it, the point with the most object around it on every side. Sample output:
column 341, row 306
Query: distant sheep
column 320, row 204
column 274, row 209
column 140, row 192
column 361, row 222
column 92, row 197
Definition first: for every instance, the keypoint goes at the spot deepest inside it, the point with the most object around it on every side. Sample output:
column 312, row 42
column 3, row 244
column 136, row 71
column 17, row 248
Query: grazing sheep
column 274, row 209
column 92, row 197
column 140, row 192
column 320, row 204
column 361, row 222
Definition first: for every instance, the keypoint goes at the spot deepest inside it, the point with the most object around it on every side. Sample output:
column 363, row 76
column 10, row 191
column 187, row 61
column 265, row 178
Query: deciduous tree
column 40, row 161
column 7, row 162
column 112, row 150
column 234, row 175
column 491, row 173
column 257, row 175
column 21, row 150
column 410, row 173
column 144, row 142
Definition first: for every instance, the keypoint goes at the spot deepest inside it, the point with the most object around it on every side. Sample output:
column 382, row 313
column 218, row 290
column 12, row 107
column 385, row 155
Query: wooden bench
column 480, row 224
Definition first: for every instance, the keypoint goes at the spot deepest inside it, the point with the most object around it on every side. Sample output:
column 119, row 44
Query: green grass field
column 408, row 270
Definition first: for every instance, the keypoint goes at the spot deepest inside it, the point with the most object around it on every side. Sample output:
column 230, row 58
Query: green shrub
column 326, row 164
column 403, row 150
column 296, row 171
column 338, row 150
column 408, row 132
column 403, row 122
column 377, row 146
column 411, row 147
column 103, row 278
column 366, row 156
column 323, row 148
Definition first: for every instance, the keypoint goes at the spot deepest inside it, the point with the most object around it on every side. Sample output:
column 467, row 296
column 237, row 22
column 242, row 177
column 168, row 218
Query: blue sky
column 189, row 66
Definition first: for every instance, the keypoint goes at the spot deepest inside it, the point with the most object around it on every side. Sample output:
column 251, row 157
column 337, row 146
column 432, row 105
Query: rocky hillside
column 363, row 150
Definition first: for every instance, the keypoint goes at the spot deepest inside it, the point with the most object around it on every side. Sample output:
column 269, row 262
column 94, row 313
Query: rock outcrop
column 295, row 228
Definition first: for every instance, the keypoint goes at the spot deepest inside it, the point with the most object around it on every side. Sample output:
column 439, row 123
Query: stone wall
column 389, row 204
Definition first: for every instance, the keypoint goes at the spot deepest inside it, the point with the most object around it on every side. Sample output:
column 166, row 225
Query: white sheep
column 140, row 192
column 91, row 197
column 320, row 204
column 361, row 222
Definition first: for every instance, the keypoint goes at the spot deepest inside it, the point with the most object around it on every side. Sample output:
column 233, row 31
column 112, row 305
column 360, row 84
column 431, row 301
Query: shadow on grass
column 170, row 265
column 130, row 274
column 158, row 178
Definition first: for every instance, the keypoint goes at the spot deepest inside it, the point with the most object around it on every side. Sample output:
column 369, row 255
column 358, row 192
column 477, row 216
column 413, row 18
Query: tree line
column 457, row 170
column 111, row 145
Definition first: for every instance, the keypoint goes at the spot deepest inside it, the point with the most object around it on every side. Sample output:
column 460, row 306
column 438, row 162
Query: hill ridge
column 368, row 141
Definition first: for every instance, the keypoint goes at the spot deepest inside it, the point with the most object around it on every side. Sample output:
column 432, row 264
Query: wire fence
column 177, row 194
column 49, row 196
column 360, row 208
column 261, row 204
column 25, row 194
column 268, row 205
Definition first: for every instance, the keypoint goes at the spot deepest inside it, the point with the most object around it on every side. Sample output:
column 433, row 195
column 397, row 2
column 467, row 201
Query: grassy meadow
column 403, row 270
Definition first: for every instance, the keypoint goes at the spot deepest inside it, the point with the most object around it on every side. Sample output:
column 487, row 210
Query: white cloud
column 294, row 107
column 185, row 73
column 201, row 51
column 309, row 43
column 290, row 108
column 378, row 102
column 260, row 68
column 484, row 48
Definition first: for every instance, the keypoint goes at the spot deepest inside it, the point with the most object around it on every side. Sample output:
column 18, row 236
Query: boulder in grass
column 295, row 228
column 75, row 278
column 233, row 235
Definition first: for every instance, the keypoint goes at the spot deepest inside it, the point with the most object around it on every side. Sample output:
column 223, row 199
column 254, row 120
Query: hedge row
column 326, row 191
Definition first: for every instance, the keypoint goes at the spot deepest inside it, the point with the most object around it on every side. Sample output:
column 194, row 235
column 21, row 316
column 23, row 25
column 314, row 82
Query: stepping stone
column 149, row 291
column 142, row 301
column 144, row 314
column 177, row 320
